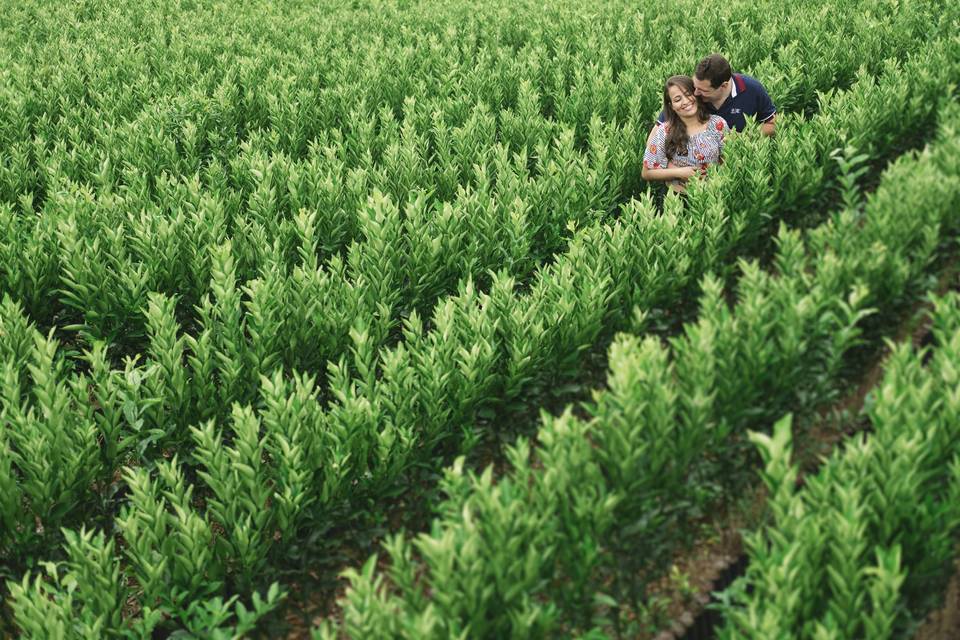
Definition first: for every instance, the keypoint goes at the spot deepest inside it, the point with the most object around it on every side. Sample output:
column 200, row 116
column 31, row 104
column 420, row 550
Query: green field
column 357, row 319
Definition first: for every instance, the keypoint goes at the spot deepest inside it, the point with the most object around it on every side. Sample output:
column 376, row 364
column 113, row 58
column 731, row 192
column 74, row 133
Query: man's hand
column 769, row 128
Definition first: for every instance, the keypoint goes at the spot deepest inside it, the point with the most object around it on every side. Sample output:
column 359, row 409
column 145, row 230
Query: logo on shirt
column 732, row 111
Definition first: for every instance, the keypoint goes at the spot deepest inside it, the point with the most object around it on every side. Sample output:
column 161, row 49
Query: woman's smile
column 684, row 103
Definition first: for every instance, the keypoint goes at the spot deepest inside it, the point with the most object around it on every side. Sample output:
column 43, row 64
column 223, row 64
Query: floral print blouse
column 703, row 149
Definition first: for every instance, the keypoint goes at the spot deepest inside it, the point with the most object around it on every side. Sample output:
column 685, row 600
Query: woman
column 688, row 140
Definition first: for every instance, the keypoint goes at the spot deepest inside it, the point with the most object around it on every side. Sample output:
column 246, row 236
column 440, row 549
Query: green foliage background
column 261, row 262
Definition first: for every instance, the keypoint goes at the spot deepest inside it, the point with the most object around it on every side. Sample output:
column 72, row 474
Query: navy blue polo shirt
column 747, row 98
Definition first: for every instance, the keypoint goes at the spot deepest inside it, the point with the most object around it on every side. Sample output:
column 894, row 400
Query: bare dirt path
column 712, row 564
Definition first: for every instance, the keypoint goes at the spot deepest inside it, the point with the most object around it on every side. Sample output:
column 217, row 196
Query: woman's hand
column 681, row 173
column 670, row 173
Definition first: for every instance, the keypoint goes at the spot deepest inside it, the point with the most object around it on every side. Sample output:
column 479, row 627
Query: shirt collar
column 733, row 92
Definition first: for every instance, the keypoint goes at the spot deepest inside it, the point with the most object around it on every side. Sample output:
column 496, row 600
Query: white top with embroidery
column 703, row 149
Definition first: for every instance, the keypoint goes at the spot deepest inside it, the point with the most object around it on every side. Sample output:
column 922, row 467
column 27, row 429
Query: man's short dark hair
column 714, row 68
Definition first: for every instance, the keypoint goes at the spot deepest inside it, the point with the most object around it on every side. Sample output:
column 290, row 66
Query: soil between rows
column 712, row 564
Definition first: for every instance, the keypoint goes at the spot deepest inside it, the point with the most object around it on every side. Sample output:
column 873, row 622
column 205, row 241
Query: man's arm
column 769, row 127
column 766, row 111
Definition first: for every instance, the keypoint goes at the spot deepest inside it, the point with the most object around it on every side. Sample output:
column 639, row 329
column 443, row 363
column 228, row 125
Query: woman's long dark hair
column 677, row 138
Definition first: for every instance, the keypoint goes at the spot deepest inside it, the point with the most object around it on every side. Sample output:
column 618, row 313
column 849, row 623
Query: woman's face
column 683, row 103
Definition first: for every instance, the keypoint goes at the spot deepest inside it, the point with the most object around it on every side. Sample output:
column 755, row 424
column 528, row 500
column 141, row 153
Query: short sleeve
column 655, row 156
column 722, row 128
column 765, row 107
column 716, row 134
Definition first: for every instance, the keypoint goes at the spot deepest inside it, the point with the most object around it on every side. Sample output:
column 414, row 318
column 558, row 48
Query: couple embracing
column 697, row 114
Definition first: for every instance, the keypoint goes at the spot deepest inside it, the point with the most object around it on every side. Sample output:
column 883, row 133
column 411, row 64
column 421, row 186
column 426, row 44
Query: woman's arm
column 672, row 173
column 656, row 165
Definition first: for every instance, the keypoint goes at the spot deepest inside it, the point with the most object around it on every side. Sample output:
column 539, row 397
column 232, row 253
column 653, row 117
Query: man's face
column 707, row 92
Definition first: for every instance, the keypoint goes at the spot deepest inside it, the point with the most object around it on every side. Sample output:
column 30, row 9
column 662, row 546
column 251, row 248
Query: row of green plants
column 391, row 407
column 864, row 548
column 568, row 539
column 322, row 73
column 138, row 182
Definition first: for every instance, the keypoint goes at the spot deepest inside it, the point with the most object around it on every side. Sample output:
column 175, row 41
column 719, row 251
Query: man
column 732, row 96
